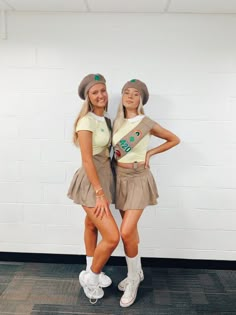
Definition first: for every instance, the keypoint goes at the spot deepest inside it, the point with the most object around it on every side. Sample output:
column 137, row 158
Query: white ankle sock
column 94, row 277
column 89, row 260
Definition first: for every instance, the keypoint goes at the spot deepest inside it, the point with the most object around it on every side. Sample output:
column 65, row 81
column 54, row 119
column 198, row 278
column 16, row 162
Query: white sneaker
column 92, row 291
column 104, row 280
column 130, row 293
column 123, row 283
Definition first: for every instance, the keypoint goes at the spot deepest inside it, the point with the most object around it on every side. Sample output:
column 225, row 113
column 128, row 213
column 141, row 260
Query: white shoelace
column 93, row 300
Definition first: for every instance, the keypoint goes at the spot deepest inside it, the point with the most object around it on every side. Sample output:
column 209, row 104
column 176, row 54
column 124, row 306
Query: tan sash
column 129, row 141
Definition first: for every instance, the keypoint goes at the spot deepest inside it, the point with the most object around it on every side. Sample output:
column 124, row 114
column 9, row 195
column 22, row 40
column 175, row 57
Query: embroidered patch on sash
column 138, row 133
column 131, row 139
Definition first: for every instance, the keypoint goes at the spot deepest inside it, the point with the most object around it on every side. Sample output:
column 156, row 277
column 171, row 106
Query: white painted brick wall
column 189, row 65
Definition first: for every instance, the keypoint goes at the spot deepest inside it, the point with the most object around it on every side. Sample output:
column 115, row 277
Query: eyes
column 98, row 91
column 136, row 94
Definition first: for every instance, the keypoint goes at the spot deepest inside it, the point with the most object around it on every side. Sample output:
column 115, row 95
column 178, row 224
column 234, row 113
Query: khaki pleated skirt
column 135, row 188
column 82, row 192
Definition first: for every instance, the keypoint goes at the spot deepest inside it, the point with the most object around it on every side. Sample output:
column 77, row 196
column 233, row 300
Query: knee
column 113, row 240
column 89, row 225
column 126, row 235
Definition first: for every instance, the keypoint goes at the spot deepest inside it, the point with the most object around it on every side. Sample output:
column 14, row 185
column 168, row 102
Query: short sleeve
column 85, row 123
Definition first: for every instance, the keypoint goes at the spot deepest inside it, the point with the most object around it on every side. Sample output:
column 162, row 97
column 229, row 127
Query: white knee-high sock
column 139, row 264
column 89, row 260
column 132, row 263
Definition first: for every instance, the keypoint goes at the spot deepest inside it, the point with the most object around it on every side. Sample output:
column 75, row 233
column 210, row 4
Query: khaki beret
column 89, row 81
column 140, row 86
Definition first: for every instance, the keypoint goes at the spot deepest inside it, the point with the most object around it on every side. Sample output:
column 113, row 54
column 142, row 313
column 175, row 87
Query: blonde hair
column 121, row 115
column 87, row 106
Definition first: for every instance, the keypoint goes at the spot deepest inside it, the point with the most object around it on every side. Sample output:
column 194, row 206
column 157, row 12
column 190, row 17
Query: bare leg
column 130, row 238
column 129, row 231
column 110, row 239
column 90, row 237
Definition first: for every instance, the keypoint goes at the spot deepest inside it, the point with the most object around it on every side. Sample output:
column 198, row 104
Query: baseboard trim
column 120, row 261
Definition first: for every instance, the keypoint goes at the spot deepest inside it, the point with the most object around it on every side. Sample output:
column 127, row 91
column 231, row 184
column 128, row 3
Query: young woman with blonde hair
column 93, row 185
column 135, row 185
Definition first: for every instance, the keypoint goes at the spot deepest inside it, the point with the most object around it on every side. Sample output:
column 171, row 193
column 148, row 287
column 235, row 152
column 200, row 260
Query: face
column 98, row 95
column 131, row 98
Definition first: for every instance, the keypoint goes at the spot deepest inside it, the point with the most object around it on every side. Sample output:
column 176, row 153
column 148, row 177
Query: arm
column 160, row 132
column 85, row 142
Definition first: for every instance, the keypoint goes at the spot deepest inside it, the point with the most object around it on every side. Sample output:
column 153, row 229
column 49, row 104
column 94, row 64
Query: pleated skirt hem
column 135, row 188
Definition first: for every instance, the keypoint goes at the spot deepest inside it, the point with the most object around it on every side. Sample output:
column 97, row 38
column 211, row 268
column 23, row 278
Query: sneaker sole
column 121, row 288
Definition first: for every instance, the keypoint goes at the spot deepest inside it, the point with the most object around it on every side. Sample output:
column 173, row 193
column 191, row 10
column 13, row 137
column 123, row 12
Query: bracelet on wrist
column 97, row 190
column 100, row 196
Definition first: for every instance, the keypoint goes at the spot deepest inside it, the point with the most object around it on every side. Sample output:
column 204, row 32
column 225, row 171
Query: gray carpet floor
column 51, row 289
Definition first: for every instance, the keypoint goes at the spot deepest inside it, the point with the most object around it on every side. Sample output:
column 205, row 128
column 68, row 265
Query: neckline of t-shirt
column 135, row 118
column 99, row 118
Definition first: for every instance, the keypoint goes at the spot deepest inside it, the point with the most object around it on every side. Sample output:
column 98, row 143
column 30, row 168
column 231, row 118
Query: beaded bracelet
column 100, row 196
